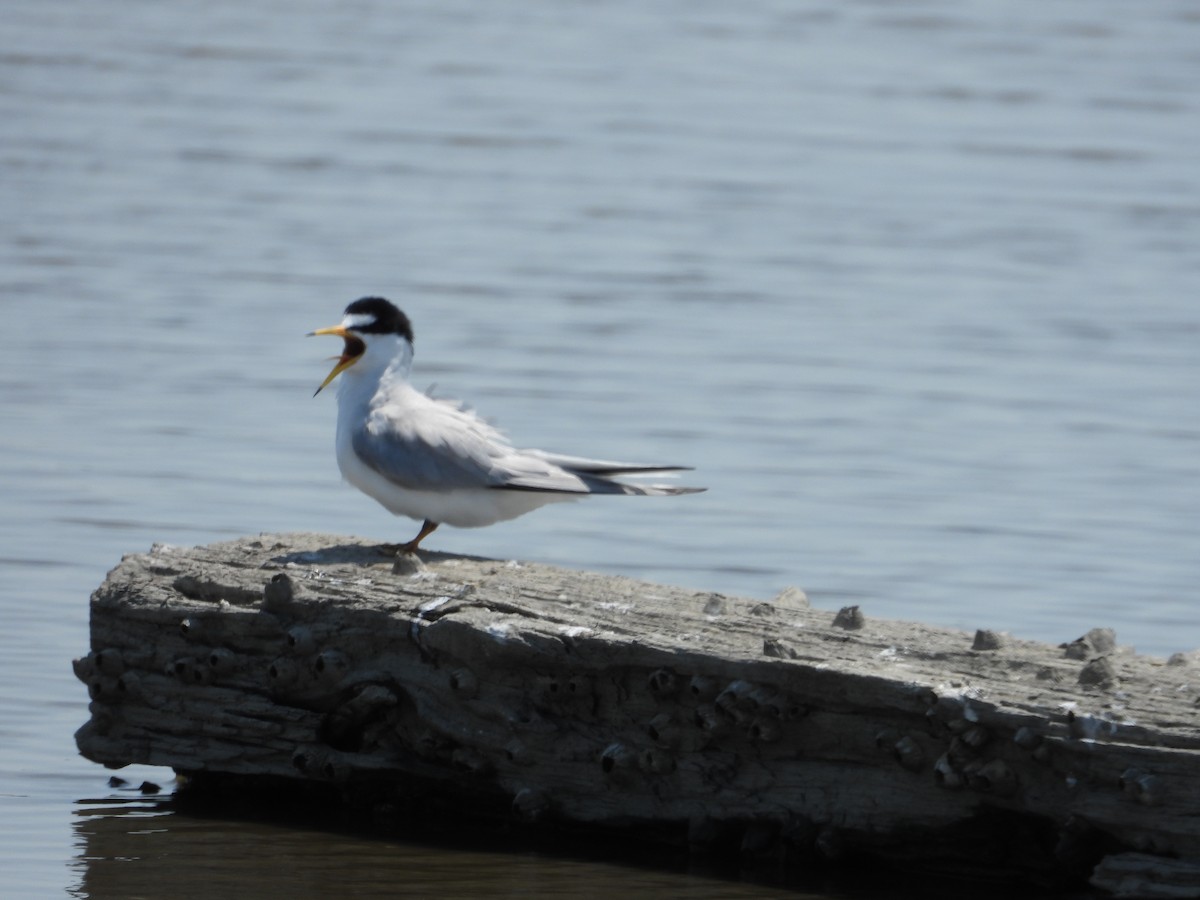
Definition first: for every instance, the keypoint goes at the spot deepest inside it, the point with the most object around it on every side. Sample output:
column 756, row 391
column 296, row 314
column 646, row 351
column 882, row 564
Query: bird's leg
column 411, row 547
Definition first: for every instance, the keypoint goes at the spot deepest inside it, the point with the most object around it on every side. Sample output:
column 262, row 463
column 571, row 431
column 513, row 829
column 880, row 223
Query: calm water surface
column 912, row 285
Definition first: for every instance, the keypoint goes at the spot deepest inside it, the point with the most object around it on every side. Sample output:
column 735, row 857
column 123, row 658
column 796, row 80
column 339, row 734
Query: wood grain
column 592, row 699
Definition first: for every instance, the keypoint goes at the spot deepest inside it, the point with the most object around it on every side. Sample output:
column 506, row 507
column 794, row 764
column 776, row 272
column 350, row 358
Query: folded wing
column 448, row 448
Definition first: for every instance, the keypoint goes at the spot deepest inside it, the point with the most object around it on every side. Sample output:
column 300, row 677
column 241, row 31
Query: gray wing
column 421, row 443
column 438, row 446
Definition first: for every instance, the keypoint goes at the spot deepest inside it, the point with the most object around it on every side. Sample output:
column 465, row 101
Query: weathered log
column 590, row 699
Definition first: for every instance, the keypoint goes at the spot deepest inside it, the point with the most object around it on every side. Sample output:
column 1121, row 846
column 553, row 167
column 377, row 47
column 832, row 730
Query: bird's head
column 370, row 326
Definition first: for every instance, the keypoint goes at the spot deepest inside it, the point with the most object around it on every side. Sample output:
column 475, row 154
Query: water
column 912, row 285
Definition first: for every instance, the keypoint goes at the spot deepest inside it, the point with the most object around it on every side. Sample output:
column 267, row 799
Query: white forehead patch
column 358, row 321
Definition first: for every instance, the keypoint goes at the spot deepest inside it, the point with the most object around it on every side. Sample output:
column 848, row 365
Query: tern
column 433, row 460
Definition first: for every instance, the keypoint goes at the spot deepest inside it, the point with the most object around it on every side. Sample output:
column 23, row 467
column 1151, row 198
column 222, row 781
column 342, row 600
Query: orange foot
column 412, row 546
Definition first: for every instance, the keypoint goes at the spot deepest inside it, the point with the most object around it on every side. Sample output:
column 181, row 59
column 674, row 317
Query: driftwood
column 572, row 697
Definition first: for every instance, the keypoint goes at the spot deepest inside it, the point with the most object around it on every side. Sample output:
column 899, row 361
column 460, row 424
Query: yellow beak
column 354, row 349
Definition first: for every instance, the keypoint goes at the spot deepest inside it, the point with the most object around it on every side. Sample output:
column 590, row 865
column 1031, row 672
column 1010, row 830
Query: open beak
column 353, row 350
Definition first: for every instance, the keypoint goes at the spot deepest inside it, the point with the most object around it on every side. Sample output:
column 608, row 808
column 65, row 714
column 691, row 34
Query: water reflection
column 144, row 847
column 184, row 847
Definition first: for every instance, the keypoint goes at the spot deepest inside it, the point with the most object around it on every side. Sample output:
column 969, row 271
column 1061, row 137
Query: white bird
column 432, row 460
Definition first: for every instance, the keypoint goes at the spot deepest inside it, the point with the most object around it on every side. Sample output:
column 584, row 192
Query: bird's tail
column 600, row 475
column 611, row 486
column 581, row 465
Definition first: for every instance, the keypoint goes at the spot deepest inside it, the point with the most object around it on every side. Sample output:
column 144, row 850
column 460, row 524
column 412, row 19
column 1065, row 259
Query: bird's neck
column 374, row 371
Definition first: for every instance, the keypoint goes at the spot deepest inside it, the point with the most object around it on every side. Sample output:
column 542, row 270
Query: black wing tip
column 606, row 486
column 626, row 469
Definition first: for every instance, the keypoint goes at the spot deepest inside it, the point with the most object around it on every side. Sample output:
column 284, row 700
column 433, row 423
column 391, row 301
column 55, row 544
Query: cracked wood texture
column 574, row 697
